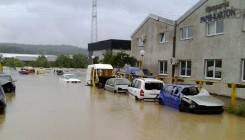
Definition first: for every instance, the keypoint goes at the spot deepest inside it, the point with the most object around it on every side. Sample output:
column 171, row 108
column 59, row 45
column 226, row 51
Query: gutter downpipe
column 174, row 52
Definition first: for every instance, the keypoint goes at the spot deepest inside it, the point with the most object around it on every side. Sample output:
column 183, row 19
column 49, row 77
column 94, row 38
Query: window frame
column 186, row 37
column 243, row 71
column 214, row 65
column 186, row 68
column 163, row 39
column 215, row 28
column 159, row 64
column 140, row 42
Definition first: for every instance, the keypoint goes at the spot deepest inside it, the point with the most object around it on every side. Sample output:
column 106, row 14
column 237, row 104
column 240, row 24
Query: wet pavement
column 45, row 108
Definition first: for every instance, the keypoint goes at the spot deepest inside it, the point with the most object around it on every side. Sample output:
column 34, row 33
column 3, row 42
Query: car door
column 107, row 85
column 167, row 95
column 131, row 87
column 175, row 99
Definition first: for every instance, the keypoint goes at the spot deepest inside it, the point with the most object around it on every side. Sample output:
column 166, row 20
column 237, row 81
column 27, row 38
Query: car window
column 121, row 82
column 108, row 82
column 138, row 84
column 6, row 77
column 175, row 91
column 190, row 91
column 153, row 86
column 133, row 83
column 169, row 89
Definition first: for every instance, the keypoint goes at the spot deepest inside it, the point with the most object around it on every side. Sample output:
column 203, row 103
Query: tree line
column 62, row 61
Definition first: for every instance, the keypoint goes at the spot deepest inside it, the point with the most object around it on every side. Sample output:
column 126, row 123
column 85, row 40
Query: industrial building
column 27, row 57
column 98, row 49
column 208, row 46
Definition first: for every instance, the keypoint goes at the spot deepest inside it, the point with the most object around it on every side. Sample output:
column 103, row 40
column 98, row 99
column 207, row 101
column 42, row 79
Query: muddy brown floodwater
column 45, row 108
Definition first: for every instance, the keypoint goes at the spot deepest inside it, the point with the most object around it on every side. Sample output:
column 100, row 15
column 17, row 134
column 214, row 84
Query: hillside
column 40, row 49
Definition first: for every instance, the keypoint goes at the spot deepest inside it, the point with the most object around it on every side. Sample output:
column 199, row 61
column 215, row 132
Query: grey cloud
column 68, row 21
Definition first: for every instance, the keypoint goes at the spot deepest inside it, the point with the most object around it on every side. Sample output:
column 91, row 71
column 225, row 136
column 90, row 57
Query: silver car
column 117, row 85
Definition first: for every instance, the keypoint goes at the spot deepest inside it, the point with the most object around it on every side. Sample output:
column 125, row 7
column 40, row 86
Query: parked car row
column 187, row 98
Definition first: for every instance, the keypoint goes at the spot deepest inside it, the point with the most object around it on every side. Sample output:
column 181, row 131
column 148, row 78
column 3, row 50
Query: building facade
column 210, row 44
column 210, row 40
column 155, row 38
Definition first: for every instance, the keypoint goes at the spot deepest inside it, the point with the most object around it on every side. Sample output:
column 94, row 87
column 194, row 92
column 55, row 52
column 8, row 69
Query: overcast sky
column 68, row 21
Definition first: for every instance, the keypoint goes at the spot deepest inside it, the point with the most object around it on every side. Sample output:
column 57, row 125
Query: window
column 137, row 84
column 243, row 70
column 163, row 67
column 215, row 28
column 186, row 33
column 243, row 24
column 153, row 86
column 185, row 68
column 163, row 38
column 140, row 42
column 213, row 68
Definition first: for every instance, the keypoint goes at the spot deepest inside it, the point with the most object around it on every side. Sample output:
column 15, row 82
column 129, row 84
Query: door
column 175, row 100
column 131, row 87
column 167, row 95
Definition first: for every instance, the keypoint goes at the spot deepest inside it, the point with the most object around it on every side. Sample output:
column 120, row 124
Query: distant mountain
column 40, row 49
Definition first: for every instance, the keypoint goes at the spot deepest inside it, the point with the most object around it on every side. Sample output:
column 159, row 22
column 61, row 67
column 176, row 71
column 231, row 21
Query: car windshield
column 69, row 76
column 190, row 91
column 151, row 86
column 6, row 77
column 122, row 82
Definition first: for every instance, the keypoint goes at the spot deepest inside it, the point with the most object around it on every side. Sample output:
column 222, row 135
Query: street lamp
column 142, row 54
column 93, row 57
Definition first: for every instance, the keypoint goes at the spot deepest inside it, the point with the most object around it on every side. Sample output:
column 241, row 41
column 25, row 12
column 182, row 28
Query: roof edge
column 155, row 17
column 191, row 10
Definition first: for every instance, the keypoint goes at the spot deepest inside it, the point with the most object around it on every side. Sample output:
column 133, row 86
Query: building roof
column 27, row 57
column 110, row 44
column 192, row 10
column 157, row 18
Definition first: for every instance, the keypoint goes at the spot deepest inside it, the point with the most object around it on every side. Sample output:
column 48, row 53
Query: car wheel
column 8, row 89
column 183, row 108
column 160, row 101
column 136, row 98
column 115, row 91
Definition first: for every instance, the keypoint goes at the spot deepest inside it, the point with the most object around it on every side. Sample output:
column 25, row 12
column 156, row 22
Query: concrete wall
column 154, row 50
column 230, row 47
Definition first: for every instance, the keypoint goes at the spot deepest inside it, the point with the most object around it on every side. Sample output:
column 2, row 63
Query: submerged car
column 7, row 83
column 117, row 85
column 59, row 72
column 70, row 78
column 188, row 98
column 2, row 100
column 145, row 88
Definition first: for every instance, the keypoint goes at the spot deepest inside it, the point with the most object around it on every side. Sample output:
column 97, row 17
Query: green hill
column 40, row 49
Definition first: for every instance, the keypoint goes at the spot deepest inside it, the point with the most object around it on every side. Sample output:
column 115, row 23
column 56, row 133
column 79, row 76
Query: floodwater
column 45, row 108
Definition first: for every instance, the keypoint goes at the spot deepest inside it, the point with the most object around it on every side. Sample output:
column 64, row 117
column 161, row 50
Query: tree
column 79, row 61
column 119, row 60
column 12, row 62
column 42, row 62
column 63, row 61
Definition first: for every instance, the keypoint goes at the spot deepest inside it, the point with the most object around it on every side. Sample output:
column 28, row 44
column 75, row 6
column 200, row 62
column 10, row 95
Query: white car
column 117, row 85
column 70, row 78
column 145, row 88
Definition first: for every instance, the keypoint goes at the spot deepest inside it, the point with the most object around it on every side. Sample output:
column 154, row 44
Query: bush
column 238, row 110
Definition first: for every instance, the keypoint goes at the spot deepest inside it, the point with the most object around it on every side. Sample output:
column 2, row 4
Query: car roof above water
column 147, row 80
column 182, row 85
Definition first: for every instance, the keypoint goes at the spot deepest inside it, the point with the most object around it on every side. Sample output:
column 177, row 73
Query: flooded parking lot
column 45, row 108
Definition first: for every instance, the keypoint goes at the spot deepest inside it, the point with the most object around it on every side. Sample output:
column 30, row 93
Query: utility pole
column 94, row 28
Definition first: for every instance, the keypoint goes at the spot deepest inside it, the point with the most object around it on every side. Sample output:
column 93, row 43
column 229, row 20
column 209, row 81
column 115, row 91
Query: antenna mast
column 94, row 28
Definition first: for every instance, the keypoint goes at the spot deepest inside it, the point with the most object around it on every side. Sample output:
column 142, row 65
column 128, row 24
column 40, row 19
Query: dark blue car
column 188, row 98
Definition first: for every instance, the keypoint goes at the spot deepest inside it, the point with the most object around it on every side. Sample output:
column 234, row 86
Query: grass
column 238, row 110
